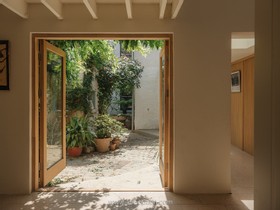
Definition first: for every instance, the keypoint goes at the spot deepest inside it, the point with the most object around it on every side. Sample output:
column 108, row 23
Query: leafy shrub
column 105, row 126
column 78, row 133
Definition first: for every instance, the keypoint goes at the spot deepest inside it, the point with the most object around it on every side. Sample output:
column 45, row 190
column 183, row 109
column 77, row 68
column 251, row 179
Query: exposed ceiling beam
column 128, row 6
column 54, row 6
column 176, row 6
column 162, row 7
column 91, row 6
column 16, row 6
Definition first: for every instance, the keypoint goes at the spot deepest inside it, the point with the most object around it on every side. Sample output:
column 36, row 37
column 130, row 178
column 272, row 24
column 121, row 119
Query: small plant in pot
column 78, row 135
column 104, row 127
column 118, row 132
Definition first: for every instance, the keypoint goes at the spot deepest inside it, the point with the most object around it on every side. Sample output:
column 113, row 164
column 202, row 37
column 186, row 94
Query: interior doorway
column 242, row 114
column 242, row 91
column 47, row 169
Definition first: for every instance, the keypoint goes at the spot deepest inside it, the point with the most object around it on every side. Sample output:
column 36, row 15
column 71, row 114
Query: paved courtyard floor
column 133, row 166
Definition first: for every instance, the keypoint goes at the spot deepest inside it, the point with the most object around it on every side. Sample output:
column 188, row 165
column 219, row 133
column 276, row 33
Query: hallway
column 240, row 199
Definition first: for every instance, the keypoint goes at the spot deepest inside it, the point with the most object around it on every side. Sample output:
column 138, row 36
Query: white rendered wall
column 147, row 97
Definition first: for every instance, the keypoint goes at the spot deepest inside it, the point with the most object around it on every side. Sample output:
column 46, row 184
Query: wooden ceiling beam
column 128, row 5
column 54, row 6
column 91, row 6
column 176, row 6
column 16, row 6
column 162, row 7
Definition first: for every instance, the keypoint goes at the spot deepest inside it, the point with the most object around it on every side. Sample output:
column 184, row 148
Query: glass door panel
column 54, row 107
column 52, row 112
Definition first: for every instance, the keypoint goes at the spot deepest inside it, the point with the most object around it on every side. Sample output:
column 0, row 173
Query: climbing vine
column 96, row 58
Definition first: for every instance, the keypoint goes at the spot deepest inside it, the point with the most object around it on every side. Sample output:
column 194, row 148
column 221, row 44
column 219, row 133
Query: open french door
column 52, row 111
column 164, row 115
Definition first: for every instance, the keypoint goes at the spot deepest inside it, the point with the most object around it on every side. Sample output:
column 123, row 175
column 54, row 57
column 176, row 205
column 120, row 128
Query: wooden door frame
column 35, row 37
column 164, row 95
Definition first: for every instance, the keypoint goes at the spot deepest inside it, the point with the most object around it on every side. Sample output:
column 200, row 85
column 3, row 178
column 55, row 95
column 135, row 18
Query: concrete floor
column 240, row 199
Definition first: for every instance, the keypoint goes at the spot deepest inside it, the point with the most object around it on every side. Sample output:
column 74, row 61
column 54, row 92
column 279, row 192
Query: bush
column 78, row 133
column 105, row 126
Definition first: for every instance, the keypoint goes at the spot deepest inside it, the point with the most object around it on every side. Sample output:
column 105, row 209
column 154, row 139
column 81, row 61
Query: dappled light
column 134, row 165
column 249, row 204
column 123, row 201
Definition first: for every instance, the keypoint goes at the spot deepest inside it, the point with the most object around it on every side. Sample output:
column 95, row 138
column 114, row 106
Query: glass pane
column 163, row 105
column 54, row 108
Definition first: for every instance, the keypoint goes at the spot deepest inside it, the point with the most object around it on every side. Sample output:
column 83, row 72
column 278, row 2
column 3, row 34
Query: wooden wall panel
column 248, row 98
column 242, row 107
column 237, row 111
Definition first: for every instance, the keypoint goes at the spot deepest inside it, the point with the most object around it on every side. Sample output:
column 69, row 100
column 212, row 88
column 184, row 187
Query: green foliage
column 79, row 98
column 79, row 51
column 55, row 182
column 83, row 57
column 97, row 56
column 78, row 133
column 105, row 126
column 128, row 75
column 76, row 98
column 143, row 46
column 125, row 76
column 106, row 79
column 87, row 86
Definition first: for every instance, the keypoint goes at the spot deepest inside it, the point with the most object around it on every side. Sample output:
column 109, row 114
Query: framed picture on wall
column 4, row 65
column 235, row 82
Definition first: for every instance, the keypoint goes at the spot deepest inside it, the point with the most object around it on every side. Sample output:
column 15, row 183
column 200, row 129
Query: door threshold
column 56, row 189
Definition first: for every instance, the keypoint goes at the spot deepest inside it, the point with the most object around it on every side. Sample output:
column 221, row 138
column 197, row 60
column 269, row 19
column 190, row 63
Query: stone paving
column 133, row 166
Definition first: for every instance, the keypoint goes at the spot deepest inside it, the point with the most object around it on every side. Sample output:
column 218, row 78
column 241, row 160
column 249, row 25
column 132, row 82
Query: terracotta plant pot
column 88, row 149
column 74, row 151
column 113, row 146
column 116, row 141
column 102, row 145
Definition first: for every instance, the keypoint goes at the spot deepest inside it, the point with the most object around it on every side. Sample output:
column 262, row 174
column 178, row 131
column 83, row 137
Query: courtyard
column 134, row 166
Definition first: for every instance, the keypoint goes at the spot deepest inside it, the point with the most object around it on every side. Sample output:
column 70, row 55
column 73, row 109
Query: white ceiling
column 20, row 7
column 237, row 54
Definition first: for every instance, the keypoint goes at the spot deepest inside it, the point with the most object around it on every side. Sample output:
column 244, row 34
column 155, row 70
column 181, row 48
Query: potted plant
column 113, row 146
column 78, row 135
column 118, row 132
column 104, row 127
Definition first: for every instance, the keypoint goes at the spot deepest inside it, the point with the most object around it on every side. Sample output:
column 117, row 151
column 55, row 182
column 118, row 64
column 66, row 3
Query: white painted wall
column 114, row 108
column 267, row 104
column 147, row 97
column 202, row 33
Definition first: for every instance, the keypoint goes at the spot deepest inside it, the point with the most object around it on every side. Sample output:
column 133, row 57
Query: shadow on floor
column 123, row 201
